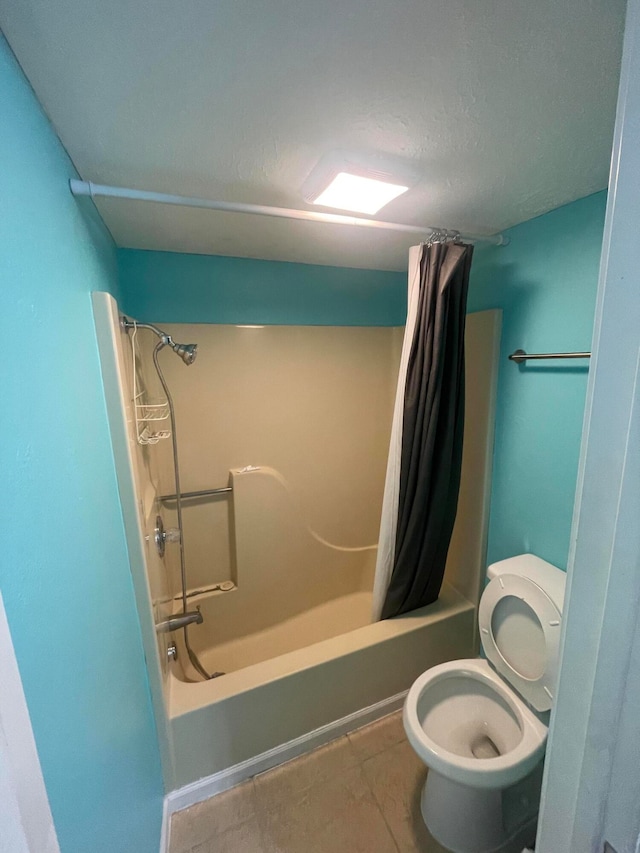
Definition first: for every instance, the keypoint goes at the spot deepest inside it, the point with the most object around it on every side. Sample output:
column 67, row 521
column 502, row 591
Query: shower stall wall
column 296, row 421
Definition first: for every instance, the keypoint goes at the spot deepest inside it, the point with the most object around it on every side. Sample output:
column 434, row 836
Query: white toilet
column 481, row 725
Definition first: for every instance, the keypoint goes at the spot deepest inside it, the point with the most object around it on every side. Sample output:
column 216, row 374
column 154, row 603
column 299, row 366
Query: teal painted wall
column 64, row 570
column 165, row 287
column 545, row 281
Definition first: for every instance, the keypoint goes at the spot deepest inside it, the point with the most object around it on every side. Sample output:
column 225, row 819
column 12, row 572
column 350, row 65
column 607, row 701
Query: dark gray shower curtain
column 432, row 430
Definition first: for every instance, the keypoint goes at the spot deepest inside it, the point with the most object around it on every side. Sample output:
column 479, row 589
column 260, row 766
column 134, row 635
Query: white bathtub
column 277, row 700
column 304, row 666
column 253, row 718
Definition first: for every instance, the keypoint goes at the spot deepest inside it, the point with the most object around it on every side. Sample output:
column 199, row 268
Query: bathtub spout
column 174, row 623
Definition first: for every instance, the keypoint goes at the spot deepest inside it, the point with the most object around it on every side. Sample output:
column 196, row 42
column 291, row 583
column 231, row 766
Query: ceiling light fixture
column 358, row 193
column 358, row 183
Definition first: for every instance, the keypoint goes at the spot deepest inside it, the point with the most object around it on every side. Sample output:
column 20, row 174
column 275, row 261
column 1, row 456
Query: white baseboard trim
column 166, row 827
column 207, row 787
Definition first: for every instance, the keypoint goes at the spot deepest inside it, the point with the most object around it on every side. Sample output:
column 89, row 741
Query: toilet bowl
column 464, row 722
column 481, row 725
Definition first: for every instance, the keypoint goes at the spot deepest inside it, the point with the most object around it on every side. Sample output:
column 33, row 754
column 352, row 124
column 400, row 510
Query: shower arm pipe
column 187, row 352
column 133, row 324
column 88, row 188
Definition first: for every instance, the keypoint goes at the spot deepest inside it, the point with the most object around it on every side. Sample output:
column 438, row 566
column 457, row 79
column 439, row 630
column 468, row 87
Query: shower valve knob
column 162, row 536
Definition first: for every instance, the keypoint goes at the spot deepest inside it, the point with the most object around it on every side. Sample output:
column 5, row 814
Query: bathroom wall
column 64, row 572
column 545, row 281
column 165, row 287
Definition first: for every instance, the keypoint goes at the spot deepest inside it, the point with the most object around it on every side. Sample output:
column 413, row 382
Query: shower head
column 187, row 352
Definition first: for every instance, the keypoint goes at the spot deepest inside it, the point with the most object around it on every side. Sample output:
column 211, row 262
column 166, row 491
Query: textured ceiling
column 504, row 108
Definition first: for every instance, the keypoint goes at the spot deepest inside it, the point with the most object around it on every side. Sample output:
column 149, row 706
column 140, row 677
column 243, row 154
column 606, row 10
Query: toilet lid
column 520, row 634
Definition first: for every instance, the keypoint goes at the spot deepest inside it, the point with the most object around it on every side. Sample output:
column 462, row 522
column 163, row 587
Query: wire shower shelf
column 149, row 411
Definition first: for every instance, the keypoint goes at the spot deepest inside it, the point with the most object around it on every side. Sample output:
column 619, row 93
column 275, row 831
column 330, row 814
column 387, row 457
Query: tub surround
column 288, row 536
column 221, row 724
column 314, row 668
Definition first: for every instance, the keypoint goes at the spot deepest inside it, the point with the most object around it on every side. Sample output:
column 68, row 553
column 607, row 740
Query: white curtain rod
column 88, row 188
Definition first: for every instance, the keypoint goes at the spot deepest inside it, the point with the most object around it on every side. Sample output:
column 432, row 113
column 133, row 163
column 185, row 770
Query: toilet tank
column 548, row 577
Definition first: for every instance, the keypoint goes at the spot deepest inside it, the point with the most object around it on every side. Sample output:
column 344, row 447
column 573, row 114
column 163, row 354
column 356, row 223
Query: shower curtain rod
column 87, row 188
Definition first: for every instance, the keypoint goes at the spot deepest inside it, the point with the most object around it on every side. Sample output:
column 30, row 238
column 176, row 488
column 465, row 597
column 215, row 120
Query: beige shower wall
column 314, row 403
column 466, row 560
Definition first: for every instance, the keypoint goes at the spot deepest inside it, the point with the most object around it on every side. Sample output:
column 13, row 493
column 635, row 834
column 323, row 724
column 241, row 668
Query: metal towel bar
column 520, row 355
column 204, row 493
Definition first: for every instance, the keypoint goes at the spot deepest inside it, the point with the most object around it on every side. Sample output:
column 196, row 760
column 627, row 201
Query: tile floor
column 358, row 794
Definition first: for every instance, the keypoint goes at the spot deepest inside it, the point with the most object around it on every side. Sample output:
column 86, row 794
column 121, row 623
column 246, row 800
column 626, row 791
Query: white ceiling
column 505, row 109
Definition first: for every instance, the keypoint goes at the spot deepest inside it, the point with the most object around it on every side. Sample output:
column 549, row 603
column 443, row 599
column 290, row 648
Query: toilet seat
column 511, row 657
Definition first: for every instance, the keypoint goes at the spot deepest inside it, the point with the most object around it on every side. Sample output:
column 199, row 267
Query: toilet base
column 482, row 820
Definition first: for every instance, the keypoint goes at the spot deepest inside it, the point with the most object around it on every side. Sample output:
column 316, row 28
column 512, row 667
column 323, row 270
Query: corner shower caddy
column 149, row 412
